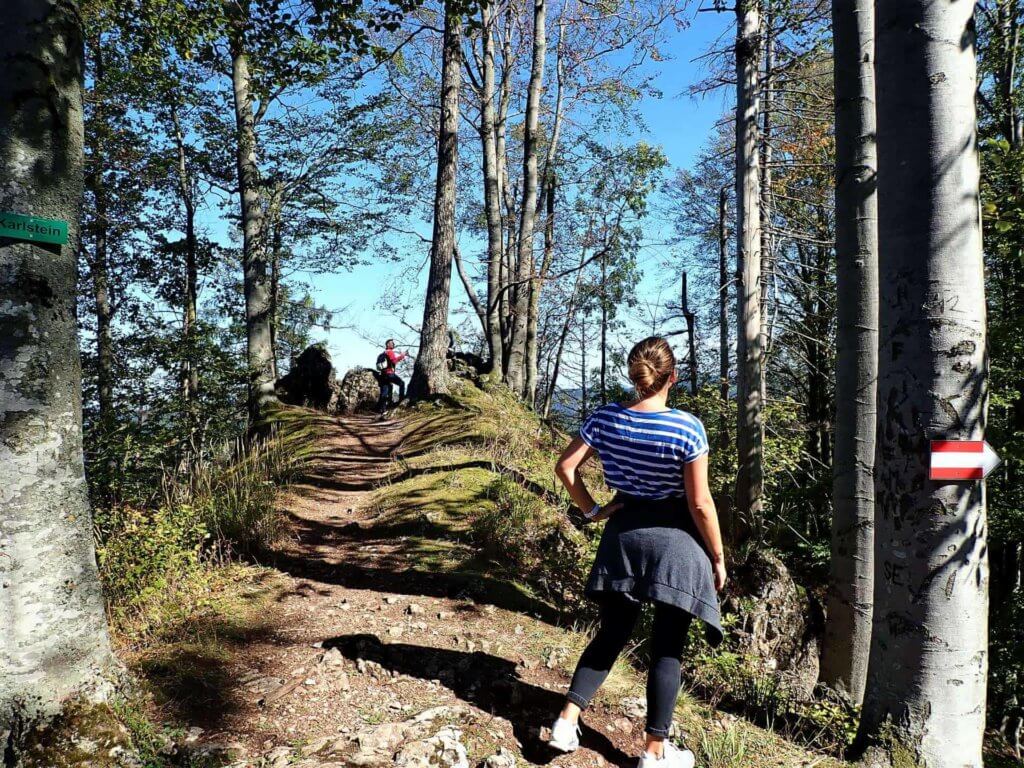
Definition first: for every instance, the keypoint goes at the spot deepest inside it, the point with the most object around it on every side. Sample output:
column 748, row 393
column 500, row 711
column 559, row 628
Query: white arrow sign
column 962, row 460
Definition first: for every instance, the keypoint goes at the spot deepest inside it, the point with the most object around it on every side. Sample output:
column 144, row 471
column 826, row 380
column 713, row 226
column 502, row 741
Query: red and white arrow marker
column 962, row 460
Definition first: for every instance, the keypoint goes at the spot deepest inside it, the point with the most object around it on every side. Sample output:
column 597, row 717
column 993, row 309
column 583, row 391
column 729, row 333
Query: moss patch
column 84, row 736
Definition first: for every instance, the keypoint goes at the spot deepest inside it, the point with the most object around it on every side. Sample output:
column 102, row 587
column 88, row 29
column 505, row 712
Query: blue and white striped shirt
column 643, row 453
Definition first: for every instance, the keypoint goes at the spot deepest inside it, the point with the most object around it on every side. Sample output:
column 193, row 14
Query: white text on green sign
column 34, row 229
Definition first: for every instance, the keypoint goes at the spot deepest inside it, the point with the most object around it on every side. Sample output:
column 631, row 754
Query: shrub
column 234, row 494
column 149, row 557
column 535, row 539
column 142, row 554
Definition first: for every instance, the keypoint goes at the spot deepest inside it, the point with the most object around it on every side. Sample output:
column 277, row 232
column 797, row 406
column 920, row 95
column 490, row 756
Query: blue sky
column 677, row 122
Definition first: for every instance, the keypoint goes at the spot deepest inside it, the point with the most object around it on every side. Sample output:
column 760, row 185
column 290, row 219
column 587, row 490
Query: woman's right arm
column 702, row 508
column 572, row 457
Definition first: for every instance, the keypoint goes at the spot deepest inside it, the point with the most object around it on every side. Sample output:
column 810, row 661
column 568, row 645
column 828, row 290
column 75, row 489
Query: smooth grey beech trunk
column 929, row 652
column 256, row 275
column 53, row 634
column 749, row 426
column 430, row 374
column 848, row 628
column 516, row 374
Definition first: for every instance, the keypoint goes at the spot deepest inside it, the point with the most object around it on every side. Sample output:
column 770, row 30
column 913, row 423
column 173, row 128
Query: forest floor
column 351, row 648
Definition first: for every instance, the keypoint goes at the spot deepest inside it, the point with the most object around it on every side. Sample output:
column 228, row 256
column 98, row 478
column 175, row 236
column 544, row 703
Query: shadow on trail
column 395, row 571
column 191, row 676
column 397, row 555
column 486, row 681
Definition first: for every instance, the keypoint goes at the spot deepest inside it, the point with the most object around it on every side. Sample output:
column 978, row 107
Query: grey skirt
column 651, row 550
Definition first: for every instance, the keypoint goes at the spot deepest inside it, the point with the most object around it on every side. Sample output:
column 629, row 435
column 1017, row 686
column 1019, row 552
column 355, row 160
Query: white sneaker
column 672, row 758
column 565, row 735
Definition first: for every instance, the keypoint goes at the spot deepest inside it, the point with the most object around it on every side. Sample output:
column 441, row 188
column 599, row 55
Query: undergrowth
column 157, row 560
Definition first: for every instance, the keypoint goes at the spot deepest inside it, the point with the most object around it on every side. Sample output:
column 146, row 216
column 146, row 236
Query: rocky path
column 363, row 664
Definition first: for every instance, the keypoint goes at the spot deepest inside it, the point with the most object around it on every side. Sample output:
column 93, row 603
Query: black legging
column 386, row 382
column 668, row 639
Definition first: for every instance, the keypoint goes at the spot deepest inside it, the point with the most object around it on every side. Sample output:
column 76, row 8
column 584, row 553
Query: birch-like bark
column 926, row 678
column 53, row 642
column 848, row 629
column 516, row 374
column 254, row 248
column 749, row 426
column 430, row 374
column 766, row 115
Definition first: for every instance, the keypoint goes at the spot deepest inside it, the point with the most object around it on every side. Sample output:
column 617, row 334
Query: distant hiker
column 386, row 362
column 661, row 544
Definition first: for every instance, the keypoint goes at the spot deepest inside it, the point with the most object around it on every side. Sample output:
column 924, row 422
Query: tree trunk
column 1009, row 34
column 492, row 191
column 190, row 365
column 604, row 327
column 516, row 375
column 104, row 310
column 583, row 367
column 570, row 315
column 507, row 199
column 691, row 335
column 275, row 289
column 98, row 259
column 926, row 678
column 430, row 373
column 848, row 630
column 54, row 643
column 254, row 251
column 765, row 185
column 749, row 426
column 723, row 312
column 537, row 285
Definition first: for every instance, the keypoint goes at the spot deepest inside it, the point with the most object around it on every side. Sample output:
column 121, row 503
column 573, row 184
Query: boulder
column 780, row 623
column 311, row 382
column 359, row 391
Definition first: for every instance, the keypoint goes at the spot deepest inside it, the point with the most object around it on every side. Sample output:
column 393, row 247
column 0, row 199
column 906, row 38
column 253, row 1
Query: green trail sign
column 33, row 229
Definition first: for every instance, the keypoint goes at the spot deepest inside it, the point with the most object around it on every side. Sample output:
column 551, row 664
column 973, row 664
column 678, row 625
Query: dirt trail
column 358, row 648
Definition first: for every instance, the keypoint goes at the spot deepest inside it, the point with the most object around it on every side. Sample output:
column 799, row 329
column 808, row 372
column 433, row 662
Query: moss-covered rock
column 83, row 736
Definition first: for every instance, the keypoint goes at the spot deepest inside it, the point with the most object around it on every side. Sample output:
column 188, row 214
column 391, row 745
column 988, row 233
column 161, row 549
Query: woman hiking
column 661, row 544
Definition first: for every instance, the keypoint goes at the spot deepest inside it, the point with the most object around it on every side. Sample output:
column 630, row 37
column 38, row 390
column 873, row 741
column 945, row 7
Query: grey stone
column 359, row 391
column 442, row 750
column 503, row 758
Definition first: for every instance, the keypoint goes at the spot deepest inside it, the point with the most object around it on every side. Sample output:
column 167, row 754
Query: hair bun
column 651, row 364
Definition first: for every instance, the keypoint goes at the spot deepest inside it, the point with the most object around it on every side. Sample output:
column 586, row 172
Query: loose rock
column 503, row 758
column 442, row 750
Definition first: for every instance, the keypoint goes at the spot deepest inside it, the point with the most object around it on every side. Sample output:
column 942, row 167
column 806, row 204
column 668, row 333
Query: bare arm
column 702, row 508
column 569, row 462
